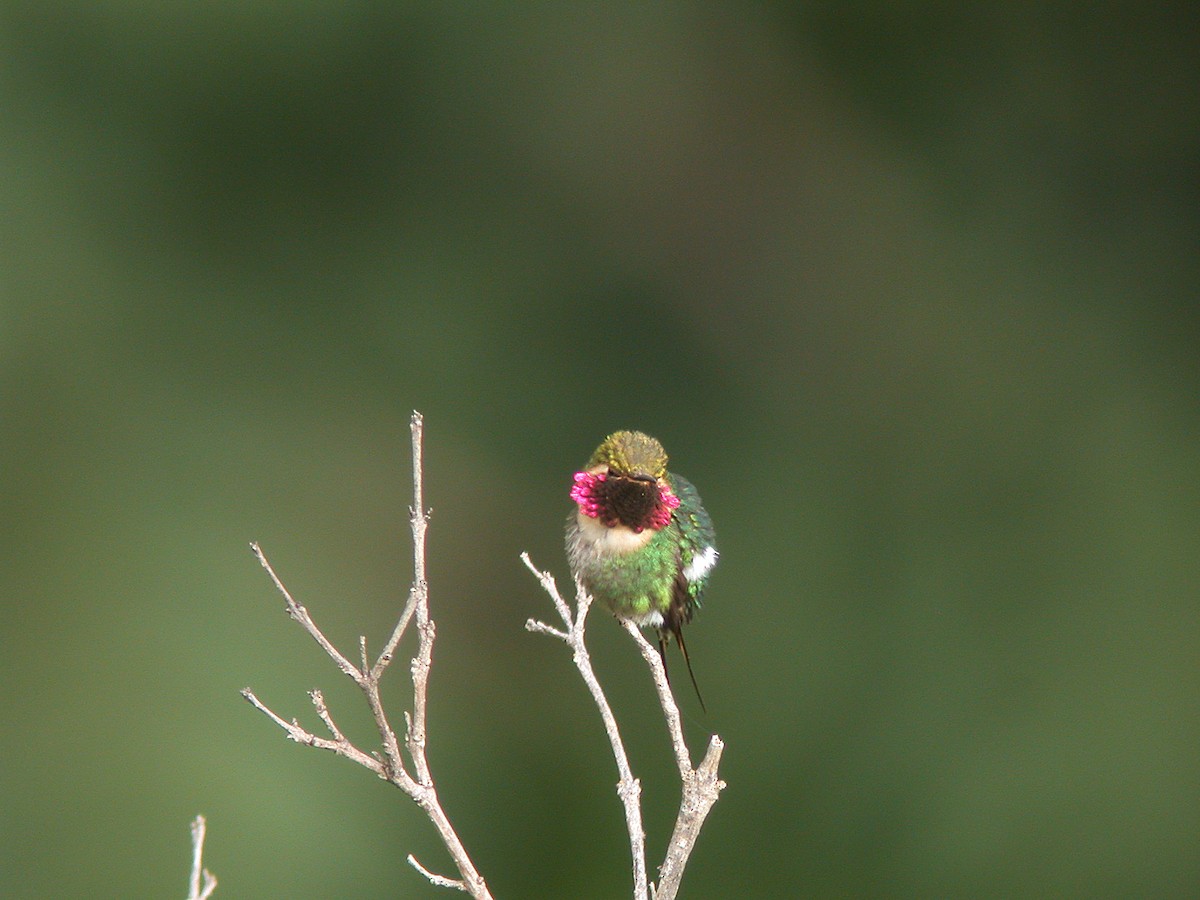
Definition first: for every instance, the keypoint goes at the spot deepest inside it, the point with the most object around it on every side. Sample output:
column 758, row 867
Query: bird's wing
column 697, row 541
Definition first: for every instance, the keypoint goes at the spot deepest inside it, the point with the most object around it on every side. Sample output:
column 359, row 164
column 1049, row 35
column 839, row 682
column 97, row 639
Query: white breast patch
column 615, row 541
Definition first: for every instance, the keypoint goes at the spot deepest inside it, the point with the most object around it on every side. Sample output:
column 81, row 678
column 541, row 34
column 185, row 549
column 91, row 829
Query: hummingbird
column 639, row 539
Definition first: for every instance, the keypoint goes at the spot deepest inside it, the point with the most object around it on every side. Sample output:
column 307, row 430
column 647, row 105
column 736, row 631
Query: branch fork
column 700, row 785
column 412, row 776
column 202, row 882
column 403, row 762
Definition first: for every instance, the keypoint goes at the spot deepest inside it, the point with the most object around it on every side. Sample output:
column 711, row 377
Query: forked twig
column 629, row 789
column 390, row 765
column 701, row 786
column 202, row 882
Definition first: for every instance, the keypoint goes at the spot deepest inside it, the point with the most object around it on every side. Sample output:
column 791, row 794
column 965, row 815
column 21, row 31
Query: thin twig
column 300, row 614
column 700, row 791
column 700, row 786
column 666, row 697
column 435, row 879
column 198, row 890
column 418, row 594
column 300, row 735
column 629, row 789
column 318, row 700
column 390, row 765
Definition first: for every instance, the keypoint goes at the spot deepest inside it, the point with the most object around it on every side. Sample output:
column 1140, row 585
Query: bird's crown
column 631, row 453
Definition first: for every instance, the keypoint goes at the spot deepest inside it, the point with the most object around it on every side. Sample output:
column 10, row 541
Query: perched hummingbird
column 639, row 540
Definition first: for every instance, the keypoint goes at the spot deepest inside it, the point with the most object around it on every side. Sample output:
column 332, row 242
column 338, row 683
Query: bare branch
column 198, row 890
column 300, row 614
column 629, row 789
column 434, row 879
column 542, row 628
column 338, row 745
column 700, row 786
column 551, row 588
column 390, row 764
column 318, row 700
column 666, row 697
column 418, row 594
column 414, row 739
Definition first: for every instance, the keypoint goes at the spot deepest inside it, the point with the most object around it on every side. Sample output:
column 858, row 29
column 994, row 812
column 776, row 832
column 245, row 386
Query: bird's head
column 625, row 483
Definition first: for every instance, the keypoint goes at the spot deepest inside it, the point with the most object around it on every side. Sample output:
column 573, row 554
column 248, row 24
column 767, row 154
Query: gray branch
column 202, row 882
column 390, row 765
column 629, row 789
column 701, row 787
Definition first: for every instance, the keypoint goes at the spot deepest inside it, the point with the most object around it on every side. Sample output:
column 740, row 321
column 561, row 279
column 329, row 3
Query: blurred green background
column 909, row 291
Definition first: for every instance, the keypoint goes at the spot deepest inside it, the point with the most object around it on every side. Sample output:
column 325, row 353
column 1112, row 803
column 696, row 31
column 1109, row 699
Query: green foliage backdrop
column 909, row 292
